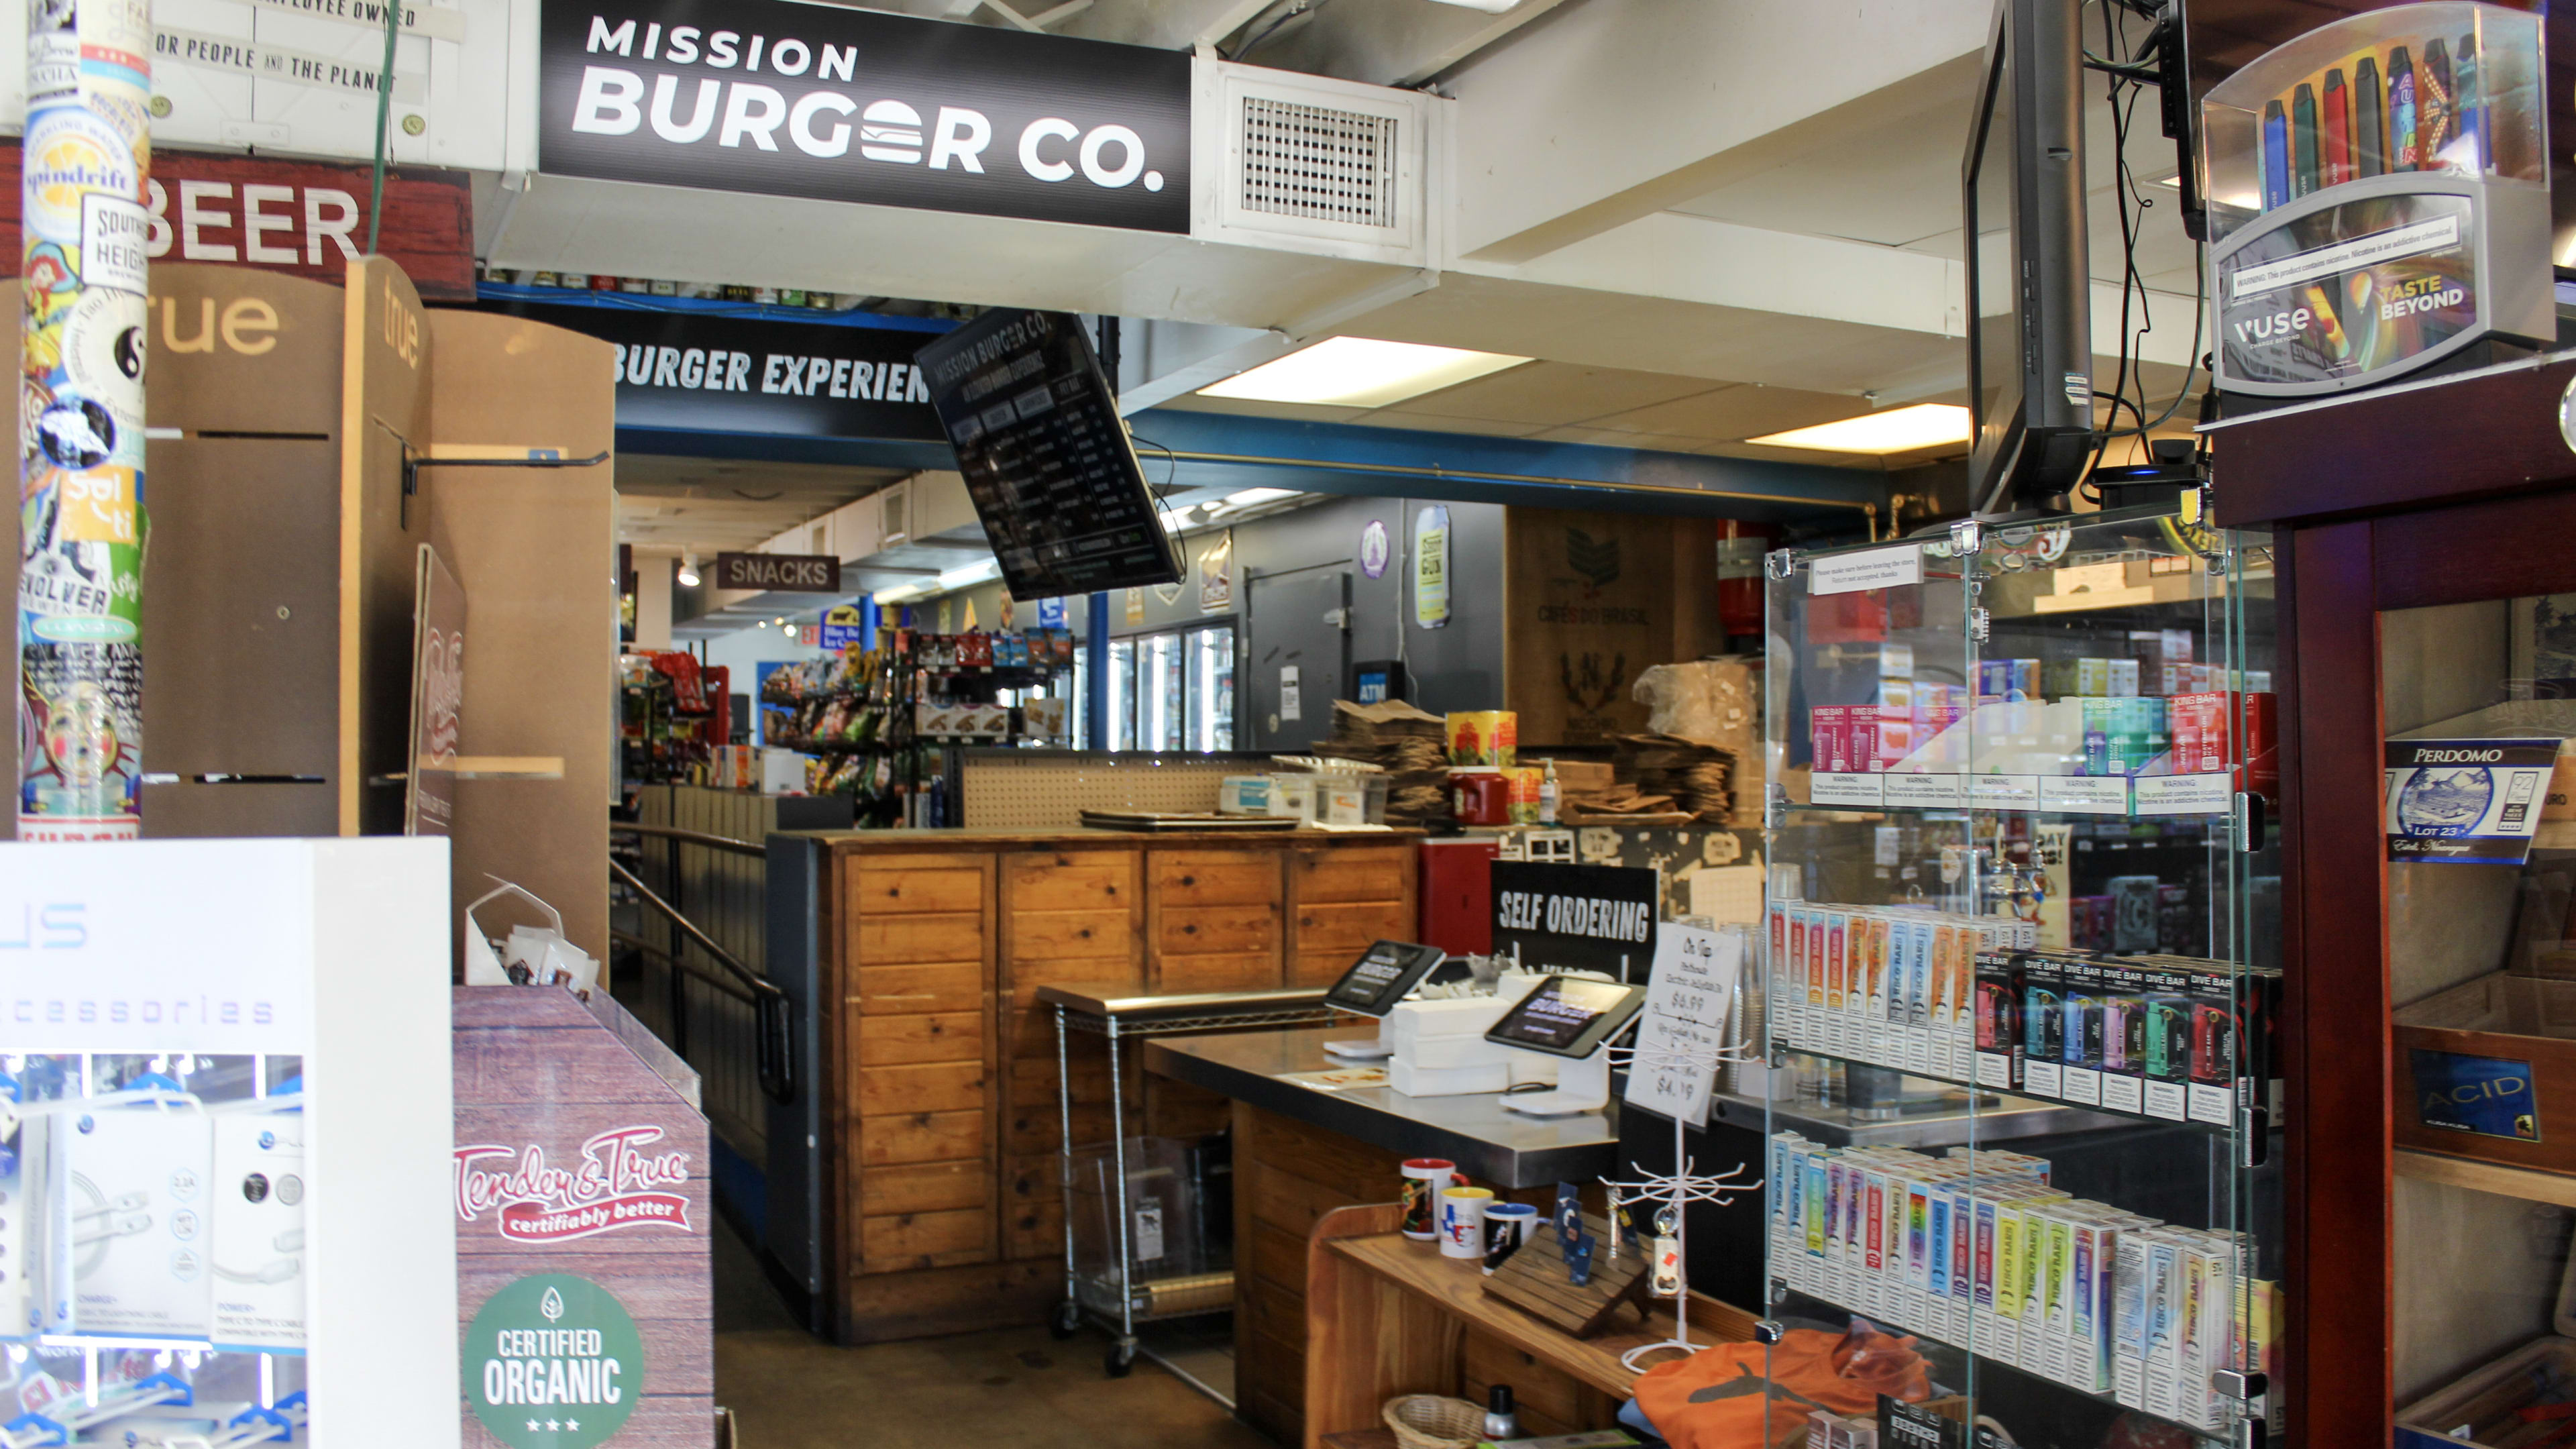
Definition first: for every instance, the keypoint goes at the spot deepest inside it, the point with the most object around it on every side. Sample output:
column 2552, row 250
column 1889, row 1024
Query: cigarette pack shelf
column 2015, row 856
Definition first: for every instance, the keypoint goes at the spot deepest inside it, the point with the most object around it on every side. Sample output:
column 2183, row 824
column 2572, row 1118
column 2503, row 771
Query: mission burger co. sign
column 787, row 573
column 838, row 104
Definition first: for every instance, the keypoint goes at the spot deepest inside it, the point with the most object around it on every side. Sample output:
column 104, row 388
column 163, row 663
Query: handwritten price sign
column 1685, row 1025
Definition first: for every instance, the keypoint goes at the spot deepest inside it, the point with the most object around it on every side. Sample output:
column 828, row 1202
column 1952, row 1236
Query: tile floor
column 1011, row 1385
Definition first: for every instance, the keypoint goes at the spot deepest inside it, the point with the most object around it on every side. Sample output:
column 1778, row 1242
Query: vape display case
column 2379, row 198
column 2023, row 925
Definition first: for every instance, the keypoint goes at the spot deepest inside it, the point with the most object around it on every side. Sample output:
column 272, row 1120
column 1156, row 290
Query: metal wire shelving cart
column 1110, row 1292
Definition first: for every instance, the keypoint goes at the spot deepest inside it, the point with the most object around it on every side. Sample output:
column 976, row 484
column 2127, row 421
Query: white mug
column 1462, row 1221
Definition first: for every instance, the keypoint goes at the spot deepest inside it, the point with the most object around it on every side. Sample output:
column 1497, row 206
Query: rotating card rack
column 1674, row 1191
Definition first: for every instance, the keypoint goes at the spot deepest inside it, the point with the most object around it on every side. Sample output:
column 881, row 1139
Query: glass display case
column 2023, row 929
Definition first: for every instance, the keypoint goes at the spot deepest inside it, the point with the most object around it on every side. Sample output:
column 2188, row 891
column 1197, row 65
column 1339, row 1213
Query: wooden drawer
column 921, row 1137
column 926, row 1240
column 1554, row 1394
column 934, row 1187
column 1294, row 1204
column 1348, row 928
column 1069, row 880
column 1043, row 940
column 886, row 1041
column 1323, row 968
column 1215, row 877
column 1174, row 972
column 932, row 1087
column 948, row 987
column 896, row 940
column 1177, row 1109
column 1036, row 1128
column 1033, row 1078
column 1206, row 930
column 1278, row 1259
column 1368, row 873
column 880, row 891
column 1267, row 1312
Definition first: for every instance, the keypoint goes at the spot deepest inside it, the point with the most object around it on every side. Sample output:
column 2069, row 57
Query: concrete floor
column 1012, row 1385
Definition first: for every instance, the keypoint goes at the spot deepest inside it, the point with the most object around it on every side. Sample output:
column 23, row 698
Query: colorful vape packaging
column 2043, row 1025
column 1999, row 1017
column 2080, row 1030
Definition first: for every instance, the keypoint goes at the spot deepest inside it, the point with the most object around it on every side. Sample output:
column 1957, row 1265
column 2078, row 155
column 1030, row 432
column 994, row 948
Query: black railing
column 773, row 1013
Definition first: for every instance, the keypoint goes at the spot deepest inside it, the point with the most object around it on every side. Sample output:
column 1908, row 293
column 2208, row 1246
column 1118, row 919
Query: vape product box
column 1836, row 925
column 2122, row 678
column 2133, row 913
column 2079, row 678
column 256, row 1252
column 2168, row 1293
column 2130, row 1297
column 2080, row 1032
column 1787, row 1010
column 2124, row 1038
column 1917, row 1032
column 1998, row 1020
column 135, row 1204
column 1895, row 722
column 2043, row 1025
column 2167, row 1075
column 2216, row 1027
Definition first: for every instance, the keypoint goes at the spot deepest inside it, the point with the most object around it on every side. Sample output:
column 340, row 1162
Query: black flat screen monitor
column 1046, row 457
column 1383, row 975
column 2030, row 345
column 1569, row 1016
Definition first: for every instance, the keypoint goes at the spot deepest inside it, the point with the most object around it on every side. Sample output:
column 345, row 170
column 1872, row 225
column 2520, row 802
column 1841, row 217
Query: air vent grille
column 1318, row 163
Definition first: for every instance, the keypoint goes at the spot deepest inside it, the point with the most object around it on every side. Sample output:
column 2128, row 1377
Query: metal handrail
column 775, row 1011
column 688, row 837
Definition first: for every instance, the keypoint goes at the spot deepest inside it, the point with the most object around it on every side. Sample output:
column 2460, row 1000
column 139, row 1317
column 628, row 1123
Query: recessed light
column 1898, row 430
column 1359, row 372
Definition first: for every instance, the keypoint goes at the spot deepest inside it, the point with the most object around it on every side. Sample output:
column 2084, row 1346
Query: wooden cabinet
column 945, row 1117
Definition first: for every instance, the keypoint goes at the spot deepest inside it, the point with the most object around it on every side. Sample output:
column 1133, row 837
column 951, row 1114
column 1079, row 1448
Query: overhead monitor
column 1385, row 974
column 2030, row 345
column 1568, row 1016
column 1046, row 457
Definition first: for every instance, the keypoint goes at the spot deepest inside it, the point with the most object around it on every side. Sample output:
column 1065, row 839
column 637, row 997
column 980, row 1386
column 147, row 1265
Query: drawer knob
column 1189, row 930
column 1189, row 880
column 1084, row 933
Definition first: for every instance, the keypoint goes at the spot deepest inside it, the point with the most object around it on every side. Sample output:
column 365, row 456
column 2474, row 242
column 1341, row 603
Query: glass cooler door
column 2477, row 704
column 2019, row 972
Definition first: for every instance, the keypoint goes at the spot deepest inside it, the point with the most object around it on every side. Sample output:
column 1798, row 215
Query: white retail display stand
column 142, row 984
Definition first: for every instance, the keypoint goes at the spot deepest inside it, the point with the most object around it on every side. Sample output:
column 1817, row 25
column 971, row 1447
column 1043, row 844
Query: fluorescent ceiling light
column 1255, row 497
column 901, row 594
column 1490, row 7
column 1359, row 372
column 972, row 574
column 1898, row 430
column 1176, row 519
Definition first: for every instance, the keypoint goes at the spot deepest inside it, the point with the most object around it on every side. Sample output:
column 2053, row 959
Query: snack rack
column 2019, row 865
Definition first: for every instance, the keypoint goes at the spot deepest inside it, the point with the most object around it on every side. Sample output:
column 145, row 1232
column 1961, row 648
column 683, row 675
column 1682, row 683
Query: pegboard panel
column 1050, row 792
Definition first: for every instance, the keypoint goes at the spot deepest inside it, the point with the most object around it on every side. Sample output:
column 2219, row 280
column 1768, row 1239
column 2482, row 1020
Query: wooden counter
column 938, row 1066
column 1387, row 1316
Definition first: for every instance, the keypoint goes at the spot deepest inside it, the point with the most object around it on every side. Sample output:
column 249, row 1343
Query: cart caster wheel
column 1121, row 1361
column 1066, row 1321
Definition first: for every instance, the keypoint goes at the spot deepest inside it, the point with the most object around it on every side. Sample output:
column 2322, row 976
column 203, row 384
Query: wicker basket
column 1429, row 1421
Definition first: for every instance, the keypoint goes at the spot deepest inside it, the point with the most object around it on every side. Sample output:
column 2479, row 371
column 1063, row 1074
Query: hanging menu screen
column 1045, row 456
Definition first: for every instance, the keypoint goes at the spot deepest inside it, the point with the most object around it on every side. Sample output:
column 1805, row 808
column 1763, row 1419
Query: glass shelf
column 2017, row 880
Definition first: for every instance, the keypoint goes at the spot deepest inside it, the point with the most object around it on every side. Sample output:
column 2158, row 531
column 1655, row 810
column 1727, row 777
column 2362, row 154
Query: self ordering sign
column 853, row 105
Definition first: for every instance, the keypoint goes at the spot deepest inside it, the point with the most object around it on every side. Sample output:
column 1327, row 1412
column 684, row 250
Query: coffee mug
column 1462, row 1221
column 1507, row 1226
column 1423, row 1179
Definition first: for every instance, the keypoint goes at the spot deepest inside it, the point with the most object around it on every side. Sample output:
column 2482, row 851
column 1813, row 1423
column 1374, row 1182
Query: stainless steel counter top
column 1488, row 1143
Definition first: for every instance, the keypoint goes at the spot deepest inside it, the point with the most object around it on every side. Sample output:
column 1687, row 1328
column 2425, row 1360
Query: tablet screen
column 1556, row 1015
column 1382, row 976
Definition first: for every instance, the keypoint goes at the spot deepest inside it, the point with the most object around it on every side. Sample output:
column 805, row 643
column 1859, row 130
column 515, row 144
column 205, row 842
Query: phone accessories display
column 1673, row 1192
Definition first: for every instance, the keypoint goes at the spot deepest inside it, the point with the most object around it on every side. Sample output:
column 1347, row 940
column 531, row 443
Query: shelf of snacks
column 2014, row 847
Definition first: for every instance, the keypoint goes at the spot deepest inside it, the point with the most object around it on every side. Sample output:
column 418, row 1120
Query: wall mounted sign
column 851, row 105
column 1373, row 549
column 304, row 217
column 701, row 372
column 1578, row 917
column 1216, row 576
column 843, row 626
column 2466, row 802
column 791, row 573
column 1046, row 458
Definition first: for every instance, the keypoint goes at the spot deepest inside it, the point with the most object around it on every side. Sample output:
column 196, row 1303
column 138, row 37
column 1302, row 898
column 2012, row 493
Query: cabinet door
column 918, row 1014
column 1212, row 920
column 1344, row 897
column 1068, row 917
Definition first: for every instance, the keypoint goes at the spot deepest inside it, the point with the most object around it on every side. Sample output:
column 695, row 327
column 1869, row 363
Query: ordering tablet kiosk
column 1569, row 1016
column 1385, row 974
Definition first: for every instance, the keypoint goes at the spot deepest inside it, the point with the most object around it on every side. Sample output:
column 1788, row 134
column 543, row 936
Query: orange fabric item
column 1714, row 1399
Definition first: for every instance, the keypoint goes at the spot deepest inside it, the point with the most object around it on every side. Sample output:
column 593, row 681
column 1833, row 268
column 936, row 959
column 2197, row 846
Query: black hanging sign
column 1578, row 917
column 821, row 101
column 699, row 372
column 788, row 573
column 1046, row 457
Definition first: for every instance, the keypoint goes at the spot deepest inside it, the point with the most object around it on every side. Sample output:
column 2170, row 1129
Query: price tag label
column 1685, row 1023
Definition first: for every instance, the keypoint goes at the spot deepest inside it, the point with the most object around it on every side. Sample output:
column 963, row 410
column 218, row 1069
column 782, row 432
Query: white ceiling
column 669, row 504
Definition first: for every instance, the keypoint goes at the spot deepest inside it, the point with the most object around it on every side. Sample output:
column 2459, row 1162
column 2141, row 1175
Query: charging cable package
column 132, row 1207
column 23, row 1164
column 258, row 1219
